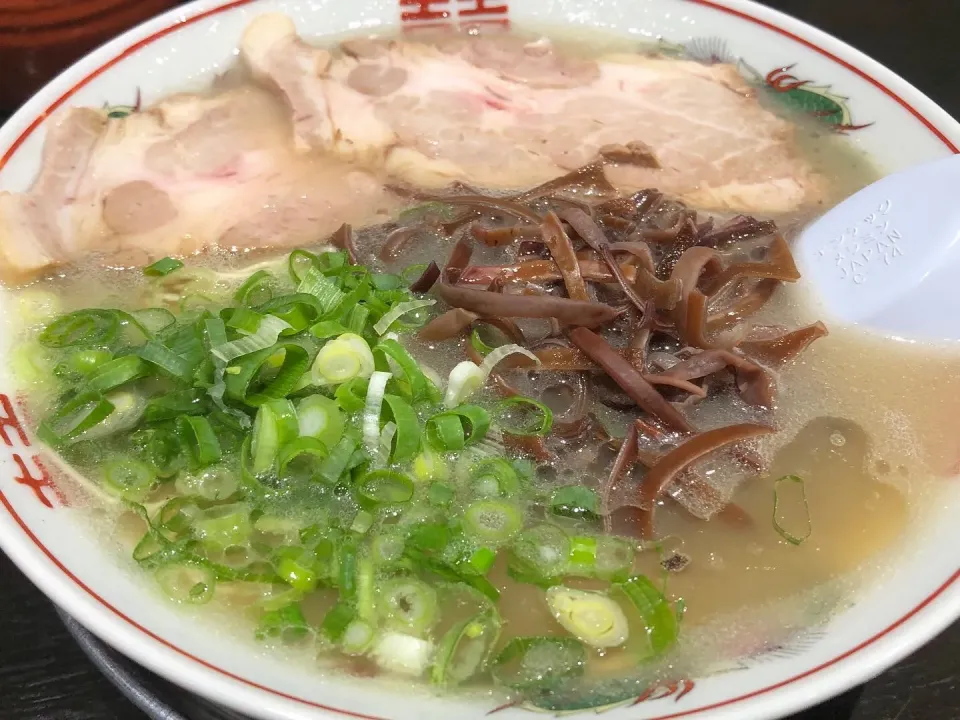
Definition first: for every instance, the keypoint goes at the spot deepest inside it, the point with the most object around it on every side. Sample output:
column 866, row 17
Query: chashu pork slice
column 503, row 113
column 189, row 174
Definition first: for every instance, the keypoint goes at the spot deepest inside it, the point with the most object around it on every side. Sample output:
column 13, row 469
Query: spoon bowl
column 887, row 257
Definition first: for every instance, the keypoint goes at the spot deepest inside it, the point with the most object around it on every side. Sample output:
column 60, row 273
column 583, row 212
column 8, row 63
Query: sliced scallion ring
column 492, row 520
column 128, row 478
column 465, row 649
column 83, row 327
column 191, row 583
column 163, row 267
column 451, row 430
column 345, row 358
column 408, row 605
column 592, row 617
column 792, row 480
column 519, row 415
column 662, row 626
column 255, row 290
column 198, row 437
column 115, row 373
column 532, row 663
column 386, row 487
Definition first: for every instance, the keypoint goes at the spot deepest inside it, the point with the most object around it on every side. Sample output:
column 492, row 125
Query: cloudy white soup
column 479, row 360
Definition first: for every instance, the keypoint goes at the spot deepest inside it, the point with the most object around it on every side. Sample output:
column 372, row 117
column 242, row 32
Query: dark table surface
column 44, row 675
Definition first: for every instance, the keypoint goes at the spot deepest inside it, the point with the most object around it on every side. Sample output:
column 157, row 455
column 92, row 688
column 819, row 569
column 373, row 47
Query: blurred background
column 44, row 675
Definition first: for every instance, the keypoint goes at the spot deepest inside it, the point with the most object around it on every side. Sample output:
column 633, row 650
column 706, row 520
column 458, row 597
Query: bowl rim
column 886, row 647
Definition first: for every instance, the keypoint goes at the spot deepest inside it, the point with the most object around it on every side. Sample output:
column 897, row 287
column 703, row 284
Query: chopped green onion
column 299, row 262
column 83, row 327
column 223, row 526
column 782, row 531
column 200, row 440
column 286, row 624
column 302, row 448
column 519, row 415
column 362, row 522
column 421, row 388
column 575, row 501
column 411, row 273
column 386, row 487
column 429, row 537
column 504, row 351
column 440, row 494
column 298, row 310
column 275, row 425
column 658, row 617
column 335, row 623
column 539, row 555
column 265, row 337
column 253, row 383
column 408, row 605
column 347, row 570
column 612, row 560
column 167, row 360
column 531, row 663
column 115, row 373
column 370, row 422
column 356, row 318
column 366, row 589
column 296, row 568
column 158, row 447
column 245, row 320
column 591, row 617
column 215, row 332
column 254, row 290
column 384, row 323
column 325, row 290
column 480, row 561
column 171, row 405
column 86, row 361
column 187, row 582
column 326, row 329
column 357, row 637
column 385, row 281
column 583, row 551
column 478, row 344
column 163, row 267
column 129, row 478
column 344, row 358
column 465, row 649
column 352, row 395
column 464, row 380
column 492, row 520
column 217, row 482
column 74, row 418
column 406, row 441
column 154, row 320
column 430, row 465
column 451, row 430
column 494, row 476
column 336, row 463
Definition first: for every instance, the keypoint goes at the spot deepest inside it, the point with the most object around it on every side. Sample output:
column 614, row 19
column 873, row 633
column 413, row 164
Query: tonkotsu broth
column 868, row 440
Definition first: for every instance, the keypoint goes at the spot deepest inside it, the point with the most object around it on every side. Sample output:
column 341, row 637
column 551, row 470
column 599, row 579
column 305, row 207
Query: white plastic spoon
column 887, row 257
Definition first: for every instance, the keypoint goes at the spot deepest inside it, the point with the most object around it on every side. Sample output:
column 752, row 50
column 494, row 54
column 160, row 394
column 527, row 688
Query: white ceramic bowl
column 893, row 122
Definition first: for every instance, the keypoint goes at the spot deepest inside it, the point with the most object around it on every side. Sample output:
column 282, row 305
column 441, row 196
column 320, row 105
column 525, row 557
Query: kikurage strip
column 628, row 378
column 666, row 469
column 491, row 304
column 558, row 242
column 447, row 326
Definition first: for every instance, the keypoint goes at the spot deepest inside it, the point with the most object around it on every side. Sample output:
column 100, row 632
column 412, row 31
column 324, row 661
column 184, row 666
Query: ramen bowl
column 787, row 61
